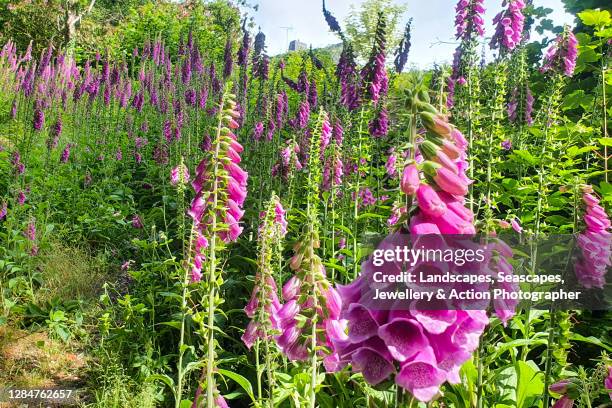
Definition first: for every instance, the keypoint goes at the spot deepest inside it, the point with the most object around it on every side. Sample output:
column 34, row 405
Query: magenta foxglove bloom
column 564, row 402
column 410, row 180
column 39, row 119
column 509, row 26
column 179, row 175
column 562, row 54
column 608, row 382
column 506, row 144
column 595, row 243
column 264, row 306
column 419, row 350
column 30, row 231
column 137, row 221
column 229, row 187
column 66, row 153
column 3, row 210
column 390, row 164
column 468, row 19
column 516, row 226
column 379, row 126
column 258, row 131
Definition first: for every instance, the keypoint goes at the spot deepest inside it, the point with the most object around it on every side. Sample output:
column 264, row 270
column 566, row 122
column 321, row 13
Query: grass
column 71, row 273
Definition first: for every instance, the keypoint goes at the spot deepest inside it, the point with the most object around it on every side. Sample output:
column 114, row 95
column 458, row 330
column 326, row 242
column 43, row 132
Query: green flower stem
column 356, row 201
column 212, row 278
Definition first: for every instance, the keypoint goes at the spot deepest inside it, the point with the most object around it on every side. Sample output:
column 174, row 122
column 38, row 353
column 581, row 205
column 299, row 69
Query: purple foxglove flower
column 243, row 52
column 379, row 126
column 564, row 402
column 258, row 131
column 137, row 221
column 39, row 119
column 429, row 201
column 179, row 174
column 516, row 226
column 21, row 198
column 562, row 54
column 331, row 20
column 30, row 231
column 401, row 54
column 228, row 61
column 468, row 19
column 375, row 366
column 410, row 180
column 509, row 26
column 66, row 153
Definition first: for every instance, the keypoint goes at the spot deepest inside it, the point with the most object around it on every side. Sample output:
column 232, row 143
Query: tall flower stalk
column 264, row 304
column 311, row 304
column 220, row 186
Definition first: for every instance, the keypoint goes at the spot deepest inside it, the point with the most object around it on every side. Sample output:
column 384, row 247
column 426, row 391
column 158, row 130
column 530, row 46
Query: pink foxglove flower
column 220, row 190
column 608, row 382
column 137, row 221
column 468, row 19
column 595, row 243
column 516, row 226
column 179, row 175
column 562, row 54
column 264, row 306
column 509, row 29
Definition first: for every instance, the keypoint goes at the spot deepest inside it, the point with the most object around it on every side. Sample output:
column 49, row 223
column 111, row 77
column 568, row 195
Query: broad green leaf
column 242, row 381
column 606, row 141
column 595, row 17
column 530, row 385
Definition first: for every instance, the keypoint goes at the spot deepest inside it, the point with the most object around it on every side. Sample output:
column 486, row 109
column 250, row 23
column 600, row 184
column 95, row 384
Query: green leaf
column 242, row 381
column 163, row 378
column 175, row 324
column 525, row 156
column 530, row 385
column 606, row 141
column 591, row 340
column 587, row 54
column 595, row 17
column 369, row 215
column 577, row 99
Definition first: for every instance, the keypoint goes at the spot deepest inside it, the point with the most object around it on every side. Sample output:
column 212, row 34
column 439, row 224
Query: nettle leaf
column 595, row 17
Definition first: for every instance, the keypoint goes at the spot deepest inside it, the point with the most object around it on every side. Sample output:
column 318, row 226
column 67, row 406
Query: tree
column 361, row 25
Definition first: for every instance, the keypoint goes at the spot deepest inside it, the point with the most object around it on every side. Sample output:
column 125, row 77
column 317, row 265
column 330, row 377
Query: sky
column 432, row 26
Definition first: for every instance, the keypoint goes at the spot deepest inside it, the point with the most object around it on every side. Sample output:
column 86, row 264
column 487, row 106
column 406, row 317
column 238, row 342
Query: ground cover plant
column 186, row 221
